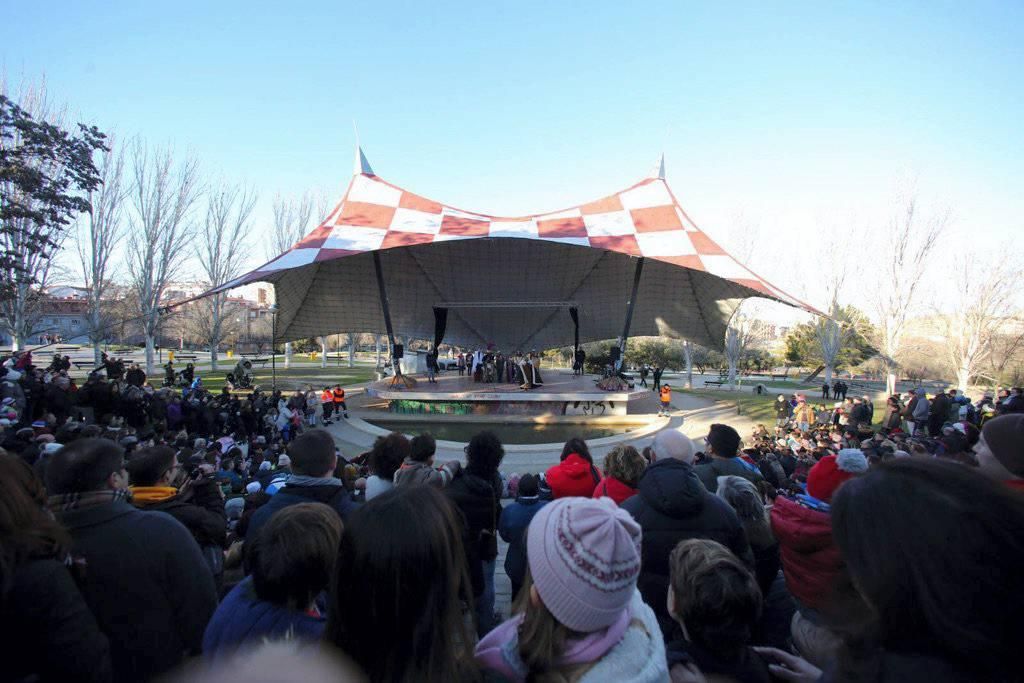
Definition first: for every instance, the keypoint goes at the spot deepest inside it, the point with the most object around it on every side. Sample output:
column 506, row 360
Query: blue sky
column 794, row 119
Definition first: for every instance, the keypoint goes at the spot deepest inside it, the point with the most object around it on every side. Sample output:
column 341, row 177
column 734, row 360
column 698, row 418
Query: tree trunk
column 97, row 353
column 890, row 382
column 150, row 354
column 732, row 373
column 963, row 376
column 323, row 352
column 287, row 354
column 376, row 339
column 351, row 350
column 688, row 353
column 213, row 357
column 828, row 375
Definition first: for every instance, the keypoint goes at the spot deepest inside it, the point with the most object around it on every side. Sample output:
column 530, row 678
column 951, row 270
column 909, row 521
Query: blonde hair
column 625, row 464
column 542, row 638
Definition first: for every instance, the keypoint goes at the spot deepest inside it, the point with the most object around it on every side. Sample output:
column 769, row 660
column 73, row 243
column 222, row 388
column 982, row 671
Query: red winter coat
column 574, row 476
column 810, row 558
column 614, row 489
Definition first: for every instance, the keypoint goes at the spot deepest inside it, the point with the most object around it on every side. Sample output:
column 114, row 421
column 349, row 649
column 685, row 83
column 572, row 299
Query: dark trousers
column 328, row 409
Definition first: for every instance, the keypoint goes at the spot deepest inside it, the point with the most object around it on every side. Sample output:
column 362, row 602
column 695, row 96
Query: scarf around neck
column 66, row 502
column 152, row 494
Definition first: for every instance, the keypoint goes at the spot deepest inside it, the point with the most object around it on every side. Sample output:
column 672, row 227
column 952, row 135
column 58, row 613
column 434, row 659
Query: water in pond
column 512, row 433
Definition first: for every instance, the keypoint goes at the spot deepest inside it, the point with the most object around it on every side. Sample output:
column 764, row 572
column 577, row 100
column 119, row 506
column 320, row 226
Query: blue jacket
column 512, row 525
column 244, row 619
column 335, row 496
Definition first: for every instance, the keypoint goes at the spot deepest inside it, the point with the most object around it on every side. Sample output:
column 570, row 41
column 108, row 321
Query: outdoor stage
column 561, row 394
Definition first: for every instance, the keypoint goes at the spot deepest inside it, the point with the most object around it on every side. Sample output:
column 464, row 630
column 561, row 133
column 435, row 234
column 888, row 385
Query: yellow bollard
column 170, row 355
column 230, row 353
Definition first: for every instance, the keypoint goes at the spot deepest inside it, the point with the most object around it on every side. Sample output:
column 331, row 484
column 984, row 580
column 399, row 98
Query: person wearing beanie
column 584, row 561
column 1000, row 450
column 723, row 445
column 512, row 525
column 811, row 562
column 832, row 470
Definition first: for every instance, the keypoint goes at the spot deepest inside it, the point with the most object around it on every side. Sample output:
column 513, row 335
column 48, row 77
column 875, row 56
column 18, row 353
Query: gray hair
column 671, row 443
column 743, row 497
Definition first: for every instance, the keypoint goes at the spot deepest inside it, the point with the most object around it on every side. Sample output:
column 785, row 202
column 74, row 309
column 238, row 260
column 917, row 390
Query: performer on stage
column 535, row 365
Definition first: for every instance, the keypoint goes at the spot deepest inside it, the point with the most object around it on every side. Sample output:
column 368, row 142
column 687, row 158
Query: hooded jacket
column 574, row 476
column 333, row 495
column 810, row 558
column 243, row 619
column 611, row 487
column 674, row 506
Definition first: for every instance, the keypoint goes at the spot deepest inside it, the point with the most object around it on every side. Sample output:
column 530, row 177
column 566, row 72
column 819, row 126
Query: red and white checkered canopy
column 434, row 253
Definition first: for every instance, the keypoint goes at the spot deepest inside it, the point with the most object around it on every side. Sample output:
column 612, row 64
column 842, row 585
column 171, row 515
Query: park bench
column 262, row 362
column 83, row 364
column 66, row 349
column 713, row 382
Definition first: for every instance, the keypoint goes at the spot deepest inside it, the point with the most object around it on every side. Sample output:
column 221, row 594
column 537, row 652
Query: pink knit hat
column 584, row 557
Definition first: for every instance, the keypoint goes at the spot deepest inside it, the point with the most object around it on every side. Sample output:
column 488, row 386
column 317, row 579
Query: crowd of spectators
column 163, row 532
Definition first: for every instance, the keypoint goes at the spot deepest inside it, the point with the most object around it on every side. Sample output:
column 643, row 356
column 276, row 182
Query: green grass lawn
column 757, row 408
column 760, row 409
column 295, row 377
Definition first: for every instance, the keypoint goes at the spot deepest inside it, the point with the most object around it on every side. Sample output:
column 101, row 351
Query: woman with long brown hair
column 50, row 633
column 399, row 587
column 579, row 614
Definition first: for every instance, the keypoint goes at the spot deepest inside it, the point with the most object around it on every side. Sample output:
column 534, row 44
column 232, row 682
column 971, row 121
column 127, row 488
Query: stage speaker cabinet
column 398, row 352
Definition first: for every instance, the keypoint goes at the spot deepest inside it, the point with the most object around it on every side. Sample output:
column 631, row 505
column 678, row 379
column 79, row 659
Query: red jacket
column 810, row 558
column 574, row 476
column 614, row 489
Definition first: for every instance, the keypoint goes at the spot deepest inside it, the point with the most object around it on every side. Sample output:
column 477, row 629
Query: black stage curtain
column 575, row 314
column 440, row 324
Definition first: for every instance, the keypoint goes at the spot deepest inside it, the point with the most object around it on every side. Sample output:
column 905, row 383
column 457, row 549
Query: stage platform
column 561, row 394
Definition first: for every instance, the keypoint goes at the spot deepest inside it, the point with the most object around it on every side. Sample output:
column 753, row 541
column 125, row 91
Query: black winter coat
column 479, row 501
column 202, row 514
column 51, row 634
column 674, row 506
column 146, row 582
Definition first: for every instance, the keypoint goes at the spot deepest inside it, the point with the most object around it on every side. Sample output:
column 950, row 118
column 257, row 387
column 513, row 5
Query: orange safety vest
column 339, row 395
column 326, row 396
column 666, row 394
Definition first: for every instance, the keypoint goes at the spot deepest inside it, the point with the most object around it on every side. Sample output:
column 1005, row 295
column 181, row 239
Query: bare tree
column 688, row 356
column 981, row 310
column 910, row 239
column 163, row 194
column 291, row 222
column 98, row 236
column 222, row 249
column 741, row 335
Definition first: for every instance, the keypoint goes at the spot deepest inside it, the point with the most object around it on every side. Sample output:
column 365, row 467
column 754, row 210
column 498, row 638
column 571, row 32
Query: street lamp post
column 273, row 340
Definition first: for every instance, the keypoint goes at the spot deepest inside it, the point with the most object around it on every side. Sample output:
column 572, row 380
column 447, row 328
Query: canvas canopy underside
column 508, row 280
column 342, row 295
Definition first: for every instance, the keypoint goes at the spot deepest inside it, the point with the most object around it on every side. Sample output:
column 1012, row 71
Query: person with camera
column 190, row 494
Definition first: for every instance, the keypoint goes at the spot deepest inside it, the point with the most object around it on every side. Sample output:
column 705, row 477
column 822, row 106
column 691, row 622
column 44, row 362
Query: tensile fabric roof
column 509, row 280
